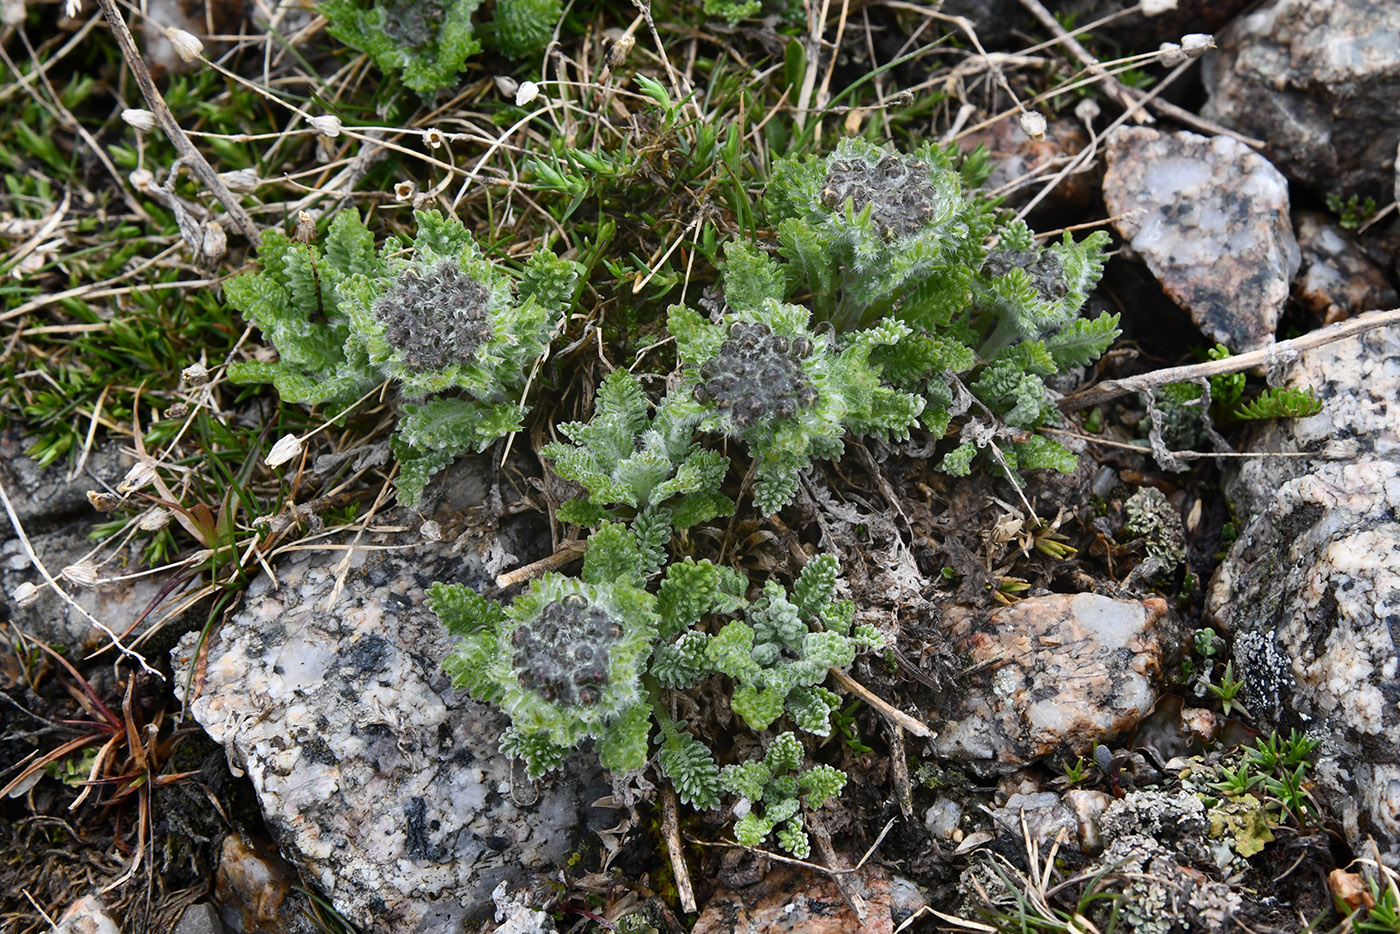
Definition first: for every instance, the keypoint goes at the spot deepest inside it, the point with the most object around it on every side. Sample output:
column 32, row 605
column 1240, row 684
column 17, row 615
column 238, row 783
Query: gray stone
column 376, row 776
column 1358, row 382
column 118, row 604
column 1318, row 80
column 1337, row 279
column 1052, row 674
column 1311, row 592
column 42, row 496
column 200, row 918
column 1210, row 218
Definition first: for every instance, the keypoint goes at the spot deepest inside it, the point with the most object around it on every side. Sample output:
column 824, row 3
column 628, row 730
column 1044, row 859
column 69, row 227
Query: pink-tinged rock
column 791, row 900
column 1053, row 674
column 1337, row 278
column 1210, row 218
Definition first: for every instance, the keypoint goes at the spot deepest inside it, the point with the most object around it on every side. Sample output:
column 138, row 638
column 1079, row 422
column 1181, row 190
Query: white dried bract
column 328, row 125
column 404, row 191
column 507, row 86
column 102, row 501
column 196, row 374
column 141, row 180
column 1197, row 44
column 1170, row 54
column 619, row 50
column 215, row 242
column 243, row 180
column 185, row 44
column 137, row 477
column 83, row 573
column 1157, row 7
column 154, row 519
column 284, row 450
column 25, row 594
column 527, row 92
column 1033, row 125
column 143, row 121
column 306, row 228
column 434, row 138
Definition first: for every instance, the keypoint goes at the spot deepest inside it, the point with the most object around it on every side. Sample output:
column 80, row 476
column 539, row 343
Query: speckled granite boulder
column 1311, row 594
column 1052, row 674
column 1210, row 218
column 1358, row 381
column 1337, row 279
column 378, row 778
column 1317, row 79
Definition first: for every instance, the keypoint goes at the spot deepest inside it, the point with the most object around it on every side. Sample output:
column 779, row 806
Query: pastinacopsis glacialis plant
column 591, row 657
column 866, row 235
column 427, row 42
column 452, row 330
column 638, row 467
column 762, row 375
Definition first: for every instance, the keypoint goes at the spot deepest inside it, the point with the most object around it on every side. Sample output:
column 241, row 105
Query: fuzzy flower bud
column 1170, row 54
column 243, row 180
column 1197, row 44
column 328, row 125
column 284, row 450
column 215, row 242
column 527, row 92
column 83, row 573
column 506, row 85
column 143, row 121
column 25, row 594
column 1033, row 125
column 196, row 374
column 154, row 519
column 137, row 477
column 141, row 180
column 102, row 501
column 1157, row 7
column 185, row 44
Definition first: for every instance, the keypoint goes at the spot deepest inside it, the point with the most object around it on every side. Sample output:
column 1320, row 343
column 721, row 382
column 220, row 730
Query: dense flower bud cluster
column 563, row 655
column 437, row 318
column 413, row 23
column 1045, row 267
column 757, row 374
column 900, row 192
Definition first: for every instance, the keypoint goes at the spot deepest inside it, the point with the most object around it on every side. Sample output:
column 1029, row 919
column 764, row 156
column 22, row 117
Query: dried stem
column 890, row 712
column 1281, row 352
column 188, row 153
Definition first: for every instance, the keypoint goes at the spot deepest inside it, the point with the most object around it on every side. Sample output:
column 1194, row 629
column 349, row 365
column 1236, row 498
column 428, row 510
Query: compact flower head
column 763, row 375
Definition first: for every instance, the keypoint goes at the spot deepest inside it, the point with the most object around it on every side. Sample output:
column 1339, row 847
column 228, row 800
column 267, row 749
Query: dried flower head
column 328, row 125
column 25, row 594
column 83, row 573
column 143, row 121
column 103, row 501
column 435, row 318
column 287, row 447
column 185, row 44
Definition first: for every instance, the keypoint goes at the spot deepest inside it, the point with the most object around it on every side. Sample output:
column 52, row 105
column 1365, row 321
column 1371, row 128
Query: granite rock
column 1311, row 593
column 121, row 605
column 1358, row 383
column 379, row 779
column 1318, row 80
column 1053, row 674
column 1337, row 279
column 1210, row 218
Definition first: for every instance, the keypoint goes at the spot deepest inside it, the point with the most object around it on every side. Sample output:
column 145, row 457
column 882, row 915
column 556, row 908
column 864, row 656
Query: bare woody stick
column 188, row 154
column 1281, row 352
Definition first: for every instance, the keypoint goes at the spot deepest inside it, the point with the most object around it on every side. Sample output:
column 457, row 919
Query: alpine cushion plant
column 427, row 42
column 639, row 468
column 762, row 375
column 573, row 659
column 455, row 332
column 866, row 235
